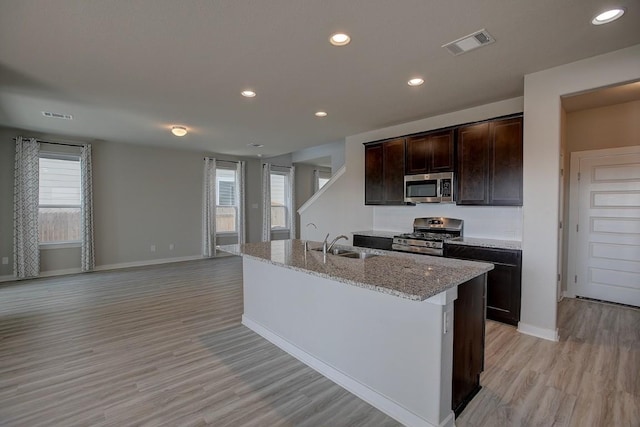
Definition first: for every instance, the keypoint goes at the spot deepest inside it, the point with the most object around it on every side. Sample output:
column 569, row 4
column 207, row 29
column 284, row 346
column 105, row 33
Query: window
column 279, row 201
column 226, row 203
column 59, row 195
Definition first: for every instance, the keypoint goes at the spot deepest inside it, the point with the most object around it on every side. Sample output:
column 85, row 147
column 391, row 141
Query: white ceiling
column 128, row 70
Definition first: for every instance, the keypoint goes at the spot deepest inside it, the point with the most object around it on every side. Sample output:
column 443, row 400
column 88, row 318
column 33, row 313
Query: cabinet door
column 504, row 282
column 503, row 293
column 441, row 144
column 505, row 166
column 418, row 155
column 430, row 153
column 393, row 171
column 473, row 171
column 468, row 342
column 373, row 180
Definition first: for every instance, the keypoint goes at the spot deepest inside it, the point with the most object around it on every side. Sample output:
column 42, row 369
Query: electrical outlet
column 254, row 206
column 5, row 260
column 171, row 246
column 153, row 248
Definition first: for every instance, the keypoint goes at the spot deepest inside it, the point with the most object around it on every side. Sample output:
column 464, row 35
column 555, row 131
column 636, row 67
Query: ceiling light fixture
column 339, row 39
column 179, row 130
column 321, row 114
column 248, row 93
column 607, row 16
column 415, row 82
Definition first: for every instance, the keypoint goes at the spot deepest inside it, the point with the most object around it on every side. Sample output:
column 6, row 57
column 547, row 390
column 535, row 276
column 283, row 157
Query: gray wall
column 304, row 187
column 143, row 196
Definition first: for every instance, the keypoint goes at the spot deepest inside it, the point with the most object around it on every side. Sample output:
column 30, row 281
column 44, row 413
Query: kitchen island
column 381, row 327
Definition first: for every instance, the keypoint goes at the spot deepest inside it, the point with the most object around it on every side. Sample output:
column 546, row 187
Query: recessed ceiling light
column 179, row 130
column 255, row 145
column 415, row 82
column 321, row 114
column 248, row 93
column 339, row 39
column 607, row 16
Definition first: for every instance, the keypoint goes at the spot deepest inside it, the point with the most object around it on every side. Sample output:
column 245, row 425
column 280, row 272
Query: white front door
column 607, row 233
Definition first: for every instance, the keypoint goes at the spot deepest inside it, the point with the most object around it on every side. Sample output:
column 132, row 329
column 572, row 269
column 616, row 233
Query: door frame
column 574, row 211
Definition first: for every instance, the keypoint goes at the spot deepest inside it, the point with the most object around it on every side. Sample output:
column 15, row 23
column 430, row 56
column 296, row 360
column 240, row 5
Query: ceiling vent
column 57, row 115
column 470, row 42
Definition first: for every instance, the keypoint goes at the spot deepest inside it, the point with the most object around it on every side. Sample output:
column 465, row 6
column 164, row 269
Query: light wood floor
column 590, row 378
column 163, row 345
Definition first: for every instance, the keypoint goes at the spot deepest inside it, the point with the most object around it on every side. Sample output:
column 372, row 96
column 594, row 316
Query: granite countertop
column 487, row 243
column 416, row 277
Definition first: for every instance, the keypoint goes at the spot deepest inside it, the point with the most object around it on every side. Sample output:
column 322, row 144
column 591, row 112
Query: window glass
column 279, row 208
column 226, row 205
column 322, row 182
column 60, row 195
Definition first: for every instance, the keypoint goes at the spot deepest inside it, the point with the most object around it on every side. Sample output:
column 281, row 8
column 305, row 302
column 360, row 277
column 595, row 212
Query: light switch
column 153, row 248
column 5, row 260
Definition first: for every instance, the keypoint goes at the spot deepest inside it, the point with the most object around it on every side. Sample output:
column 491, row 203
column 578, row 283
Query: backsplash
column 487, row 222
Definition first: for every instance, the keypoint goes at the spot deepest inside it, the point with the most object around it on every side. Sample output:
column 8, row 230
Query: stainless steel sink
column 346, row 253
column 361, row 255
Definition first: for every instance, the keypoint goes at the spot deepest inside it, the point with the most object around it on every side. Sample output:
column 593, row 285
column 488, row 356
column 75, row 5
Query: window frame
column 61, row 244
column 232, row 167
column 287, row 209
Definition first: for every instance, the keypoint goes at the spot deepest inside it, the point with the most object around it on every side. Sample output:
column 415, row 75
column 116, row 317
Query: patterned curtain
column 26, row 198
column 88, row 259
column 209, row 208
column 291, row 202
column 266, row 202
column 240, row 171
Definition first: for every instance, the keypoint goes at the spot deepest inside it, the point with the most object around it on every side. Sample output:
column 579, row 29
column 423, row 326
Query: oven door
column 421, row 189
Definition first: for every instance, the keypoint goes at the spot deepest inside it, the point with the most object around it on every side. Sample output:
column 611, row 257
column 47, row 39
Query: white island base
column 392, row 352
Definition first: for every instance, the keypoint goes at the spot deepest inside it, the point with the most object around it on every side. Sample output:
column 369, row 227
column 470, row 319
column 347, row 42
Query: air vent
column 470, row 42
column 57, row 115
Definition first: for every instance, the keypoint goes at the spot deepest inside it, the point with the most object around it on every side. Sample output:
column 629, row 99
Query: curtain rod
column 221, row 160
column 55, row 143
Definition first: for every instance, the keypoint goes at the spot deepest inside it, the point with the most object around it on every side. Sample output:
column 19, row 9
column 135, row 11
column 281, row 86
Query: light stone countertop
column 487, row 243
column 415, row 277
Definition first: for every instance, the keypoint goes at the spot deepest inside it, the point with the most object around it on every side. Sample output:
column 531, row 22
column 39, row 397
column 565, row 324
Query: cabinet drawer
column 372, row 242
column 502, row 256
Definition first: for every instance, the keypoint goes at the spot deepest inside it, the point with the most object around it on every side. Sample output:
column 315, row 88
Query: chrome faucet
column 326, row 247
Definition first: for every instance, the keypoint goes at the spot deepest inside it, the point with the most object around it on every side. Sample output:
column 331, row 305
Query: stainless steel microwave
column 429, row 188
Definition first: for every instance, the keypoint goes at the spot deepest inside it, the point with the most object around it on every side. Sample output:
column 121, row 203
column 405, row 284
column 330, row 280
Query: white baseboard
column 63, row 272
column 364, row 392
column 7, row 278
column 547, row 334
column 145, row 263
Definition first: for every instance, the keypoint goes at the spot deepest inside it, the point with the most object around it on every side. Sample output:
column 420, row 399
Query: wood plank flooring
column 163, row 345
column 591, row 377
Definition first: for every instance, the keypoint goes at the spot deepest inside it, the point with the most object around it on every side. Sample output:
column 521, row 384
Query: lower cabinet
column 372, row 242
column 504, row 282
column 468, row 342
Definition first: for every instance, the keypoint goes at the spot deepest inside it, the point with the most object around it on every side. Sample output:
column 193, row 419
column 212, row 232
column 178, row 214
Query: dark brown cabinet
column 430, row 153
column 468, row 342
column 384, row 173
column 504, row 282
column 490, row 163
column 373, row 242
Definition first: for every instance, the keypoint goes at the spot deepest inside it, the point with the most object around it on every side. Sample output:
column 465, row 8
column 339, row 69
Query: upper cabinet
column 490, row 163
column 430, row 153
column 384, row 173
column 486, row 156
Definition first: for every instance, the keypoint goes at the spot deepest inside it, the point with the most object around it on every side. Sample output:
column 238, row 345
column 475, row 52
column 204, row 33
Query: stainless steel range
column 429, row 235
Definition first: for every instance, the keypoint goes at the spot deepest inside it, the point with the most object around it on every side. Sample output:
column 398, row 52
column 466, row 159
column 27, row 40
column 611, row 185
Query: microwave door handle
column 439, row 188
